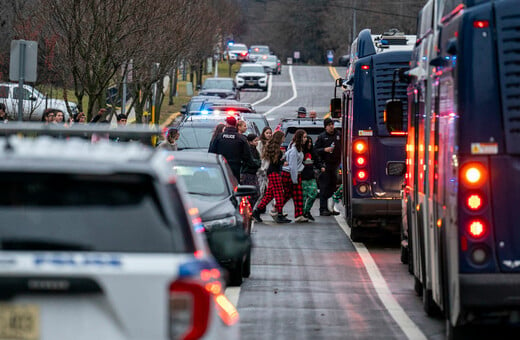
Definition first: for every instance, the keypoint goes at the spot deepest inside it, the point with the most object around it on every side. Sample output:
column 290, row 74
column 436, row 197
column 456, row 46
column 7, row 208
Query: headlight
column 227, row 222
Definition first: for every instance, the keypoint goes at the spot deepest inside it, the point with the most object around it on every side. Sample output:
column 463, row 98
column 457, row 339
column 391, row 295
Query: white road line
column 295, row 94
column 385, row 295
column 269, row 86
column 233, row 293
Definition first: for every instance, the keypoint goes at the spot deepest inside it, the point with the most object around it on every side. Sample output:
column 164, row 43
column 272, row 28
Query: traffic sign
column 24, row 56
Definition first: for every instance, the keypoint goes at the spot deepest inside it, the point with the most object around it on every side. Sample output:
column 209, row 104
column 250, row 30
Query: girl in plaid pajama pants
column 291, row 174
column 273, row 154
column 309, row 185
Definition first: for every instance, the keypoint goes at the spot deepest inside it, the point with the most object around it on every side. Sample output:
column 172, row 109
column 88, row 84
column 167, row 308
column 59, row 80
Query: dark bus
column 373, row 157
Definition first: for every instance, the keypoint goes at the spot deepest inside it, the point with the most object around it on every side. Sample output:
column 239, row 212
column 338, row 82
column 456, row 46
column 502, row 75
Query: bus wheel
column 417, row 286
column 404, row 255
column 355, row 233
column 430, row 307
column 456, row 332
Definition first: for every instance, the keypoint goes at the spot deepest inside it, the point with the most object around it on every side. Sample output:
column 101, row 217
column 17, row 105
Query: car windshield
column 215, row 83
column 84, row 212
column 252, row 68
column 260, row 122
column 202, row 179
column 260, row 49
column 271, row 58
column 194, row 137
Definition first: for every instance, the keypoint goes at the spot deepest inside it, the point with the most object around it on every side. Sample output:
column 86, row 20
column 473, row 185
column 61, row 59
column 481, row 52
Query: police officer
column 302, row 112
column 328, row 147
column 233, row 146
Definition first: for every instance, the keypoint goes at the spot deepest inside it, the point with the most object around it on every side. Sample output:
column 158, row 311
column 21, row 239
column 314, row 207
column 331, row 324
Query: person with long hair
column 291, row 174
column 309, row 185
column 274, row 156
column 218, row 130
column 261, row 174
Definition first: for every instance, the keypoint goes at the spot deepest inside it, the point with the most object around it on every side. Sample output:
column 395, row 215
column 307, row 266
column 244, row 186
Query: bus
column 463, row 162
column 373, row 157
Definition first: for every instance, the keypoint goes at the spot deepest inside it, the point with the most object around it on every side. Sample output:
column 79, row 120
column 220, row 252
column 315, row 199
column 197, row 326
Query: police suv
column 98, row 242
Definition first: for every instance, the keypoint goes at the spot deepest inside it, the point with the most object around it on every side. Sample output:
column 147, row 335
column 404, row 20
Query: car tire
column 235, row 274
column 264, row 89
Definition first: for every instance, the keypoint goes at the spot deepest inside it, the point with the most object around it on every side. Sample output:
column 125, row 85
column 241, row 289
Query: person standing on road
column 302, row 112
column 291, row 174
column 261, row 174
column 3, row 114
column 312, row 114
column 241, row 126
column 309, row 185
column 274, row 156
column 170, row 144
column 248, row 171
column 217, row 131
column 233, row 146
column 48, row 116
column 328, row 147
column 121, row 119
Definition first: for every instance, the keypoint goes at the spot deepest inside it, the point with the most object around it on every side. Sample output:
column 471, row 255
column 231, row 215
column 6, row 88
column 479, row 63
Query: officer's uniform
column 331, row 162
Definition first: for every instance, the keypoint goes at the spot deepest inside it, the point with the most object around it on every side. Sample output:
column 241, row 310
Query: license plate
column 19, row 322
column 251, row 83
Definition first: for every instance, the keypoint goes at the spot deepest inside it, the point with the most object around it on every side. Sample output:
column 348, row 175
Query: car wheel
column 264, row 89
column 235, row 274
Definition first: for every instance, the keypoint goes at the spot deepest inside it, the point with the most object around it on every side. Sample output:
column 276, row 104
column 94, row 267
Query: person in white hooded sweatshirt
column 291, row 174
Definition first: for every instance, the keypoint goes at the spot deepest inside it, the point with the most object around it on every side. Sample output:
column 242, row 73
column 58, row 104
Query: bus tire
column 429, row 305
column 456, row 332
column 246, row 269
column 417, row 286
column 404, row 255
column 355, row 233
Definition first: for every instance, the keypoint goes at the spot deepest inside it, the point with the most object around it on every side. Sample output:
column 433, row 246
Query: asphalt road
column 309, row 280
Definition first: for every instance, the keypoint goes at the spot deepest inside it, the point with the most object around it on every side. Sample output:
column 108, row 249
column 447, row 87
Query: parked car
column 100, row 241
column 271, row 64
column 222, row 204
column 257, row 51
column 34, row 102
column 224, row 88
column 259, row 119
column 237, row 52
column 196, row 131
column 197, row 105
column 252, row 76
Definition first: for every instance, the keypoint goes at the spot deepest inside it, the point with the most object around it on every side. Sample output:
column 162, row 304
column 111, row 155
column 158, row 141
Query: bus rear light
column 398, row 133
column 365, row 67
column 362, row 175
column 363, row 188
column 360, row 146
column 475, row 202
column 479, row 255
column 476, row 228
column 473, row 174
column 481, row 23
column 361, row 161
column 189, row 310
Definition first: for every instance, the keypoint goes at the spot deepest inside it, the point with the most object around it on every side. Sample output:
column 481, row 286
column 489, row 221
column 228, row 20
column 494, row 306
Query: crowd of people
column 53, row 116
column 279, row 176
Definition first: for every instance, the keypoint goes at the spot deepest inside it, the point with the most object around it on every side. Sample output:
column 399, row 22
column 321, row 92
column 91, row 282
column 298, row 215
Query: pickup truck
column 34, row 102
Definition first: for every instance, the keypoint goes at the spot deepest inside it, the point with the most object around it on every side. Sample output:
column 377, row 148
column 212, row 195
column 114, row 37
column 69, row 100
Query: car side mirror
column 393, row 115
column 335, row 107
column 183, row 109
column 245, row 190
column 228, row 243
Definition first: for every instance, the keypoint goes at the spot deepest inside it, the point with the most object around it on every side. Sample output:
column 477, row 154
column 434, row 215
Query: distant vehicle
column 257, row 51
column 344, row 60
column 132, row 258
column 237, row 52
column 222, row 87
column 271, row 64
column 259, row 119
column 252, row 76
column 34, row 102
column 196, row 131
column 221, row 201
column 198, row 104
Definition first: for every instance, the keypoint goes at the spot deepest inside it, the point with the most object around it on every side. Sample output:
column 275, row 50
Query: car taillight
column 477, row 228
column 244, row 53
column 189, row 310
